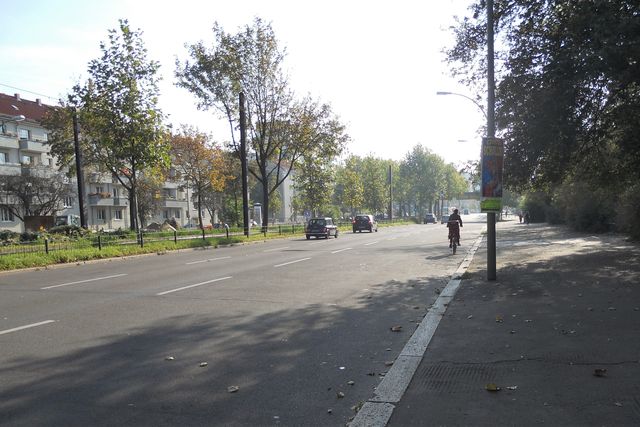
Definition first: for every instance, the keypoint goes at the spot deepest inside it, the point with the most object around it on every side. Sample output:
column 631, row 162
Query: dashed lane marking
column 193, row 286
column 95, row 279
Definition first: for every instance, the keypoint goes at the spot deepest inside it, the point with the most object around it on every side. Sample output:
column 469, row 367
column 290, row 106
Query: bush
column 68, row 230
column 628, row 215
column 29, row 236
column 536, row 204
column 584, row 208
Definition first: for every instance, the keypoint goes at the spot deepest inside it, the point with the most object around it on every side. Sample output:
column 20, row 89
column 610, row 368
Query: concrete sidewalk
column 555, row 340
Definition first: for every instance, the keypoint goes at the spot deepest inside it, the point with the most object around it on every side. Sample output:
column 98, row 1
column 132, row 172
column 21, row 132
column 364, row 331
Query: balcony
column 9, row 141
column 39, row 171
column 105, row 199
column 36, row 147
column 170, row 202
column 10, row 169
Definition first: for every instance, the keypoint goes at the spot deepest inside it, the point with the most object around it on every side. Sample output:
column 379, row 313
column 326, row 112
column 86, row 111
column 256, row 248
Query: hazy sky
column 379, row 64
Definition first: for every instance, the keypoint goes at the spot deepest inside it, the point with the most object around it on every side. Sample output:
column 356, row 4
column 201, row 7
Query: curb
column 378, row 409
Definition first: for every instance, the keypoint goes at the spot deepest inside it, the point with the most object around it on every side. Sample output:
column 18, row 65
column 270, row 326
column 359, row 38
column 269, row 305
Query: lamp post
column 490, row 118
column 79, row 176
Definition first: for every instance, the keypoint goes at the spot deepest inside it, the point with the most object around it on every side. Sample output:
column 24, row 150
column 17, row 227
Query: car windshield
column 316, row 222
column 362, row 218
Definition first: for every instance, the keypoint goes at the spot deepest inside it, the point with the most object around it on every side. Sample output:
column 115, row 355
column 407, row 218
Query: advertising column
column 492, row 160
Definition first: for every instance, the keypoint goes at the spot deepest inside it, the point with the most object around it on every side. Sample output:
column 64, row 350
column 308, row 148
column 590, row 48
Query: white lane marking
column 19, row 328
column 291, row 262
column 193, row 286
column 207, row 260
column 341, row 250
column 83, row 281
column 372, row 243
column 276, row 249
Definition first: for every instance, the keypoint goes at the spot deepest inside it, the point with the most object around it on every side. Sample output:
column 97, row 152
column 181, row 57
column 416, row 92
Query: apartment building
column 24, row 152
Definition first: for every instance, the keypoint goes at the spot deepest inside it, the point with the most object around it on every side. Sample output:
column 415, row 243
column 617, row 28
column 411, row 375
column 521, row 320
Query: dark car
column 444, row 219
column 429, row 219
column 364, row 222
column 321, row 227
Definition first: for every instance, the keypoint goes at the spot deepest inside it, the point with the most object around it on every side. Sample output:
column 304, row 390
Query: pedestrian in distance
column 520, row 216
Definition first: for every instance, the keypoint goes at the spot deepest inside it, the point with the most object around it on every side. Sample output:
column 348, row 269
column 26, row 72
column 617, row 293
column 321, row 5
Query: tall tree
column 280, row 130
column 121, row 124
column 201, row 164
column 568, row 93
column 352, row 186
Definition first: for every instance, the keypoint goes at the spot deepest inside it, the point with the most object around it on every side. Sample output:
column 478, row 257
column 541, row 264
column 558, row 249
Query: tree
column 149, row 197
column 568, row 91
column 352, row 188
column 121, row 125
column 280, row 131
column 201, row 164
column 374, row 180
column 424, row 173
column 31, row 195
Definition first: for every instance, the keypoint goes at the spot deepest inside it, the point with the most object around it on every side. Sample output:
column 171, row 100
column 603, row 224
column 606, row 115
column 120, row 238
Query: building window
column 6, row 215
column 23, row 133
column 101, row 214
column 45, row 137
column 68, row 202
column 177, row 213
column 99, row 189
column 165, row 214
column 118, row 214
column 28, row 160
column 3, row 157
column 116, row 192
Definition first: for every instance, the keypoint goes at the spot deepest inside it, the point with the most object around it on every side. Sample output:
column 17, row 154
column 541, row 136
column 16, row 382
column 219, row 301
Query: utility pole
column 79, row 176
column 243, row 164
column 491, row 133
column 390, row 196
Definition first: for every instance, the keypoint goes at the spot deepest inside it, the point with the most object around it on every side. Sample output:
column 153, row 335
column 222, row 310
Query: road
column 301, row 328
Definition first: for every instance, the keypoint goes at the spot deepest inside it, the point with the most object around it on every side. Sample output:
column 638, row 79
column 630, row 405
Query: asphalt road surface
column 285, row 332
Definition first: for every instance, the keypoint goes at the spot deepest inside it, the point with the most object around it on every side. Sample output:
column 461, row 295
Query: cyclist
column 452, row 224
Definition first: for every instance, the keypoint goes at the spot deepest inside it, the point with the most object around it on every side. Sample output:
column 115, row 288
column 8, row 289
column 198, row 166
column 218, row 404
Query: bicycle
column 454, row 235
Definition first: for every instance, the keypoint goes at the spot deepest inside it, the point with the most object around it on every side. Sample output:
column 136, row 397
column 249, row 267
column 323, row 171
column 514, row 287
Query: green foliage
column 280, row 130
column 628, row 214
column 68, row 230
column 568, row 90
column 537, row 204
column 583, row 207
column 120, row 122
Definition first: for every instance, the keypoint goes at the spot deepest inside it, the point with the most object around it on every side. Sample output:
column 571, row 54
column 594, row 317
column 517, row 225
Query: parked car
column 364, row 222
column 465, row 212
column 429, row 219
column 321, row 227
column 444, row 219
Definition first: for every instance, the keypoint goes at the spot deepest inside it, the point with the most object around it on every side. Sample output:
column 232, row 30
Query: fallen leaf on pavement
column 351, row 382
column 492, row 387
column 512, row 387
column 169, row 358
column 203, row 364
column 390, row 363
column 339, row 395
column 600, row 372
column 233, row 388
column 499, row 319
column 396, row 328
column 618, row 404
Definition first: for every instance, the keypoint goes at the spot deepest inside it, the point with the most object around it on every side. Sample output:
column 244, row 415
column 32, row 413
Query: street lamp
column 18, row 118
column 464, row 96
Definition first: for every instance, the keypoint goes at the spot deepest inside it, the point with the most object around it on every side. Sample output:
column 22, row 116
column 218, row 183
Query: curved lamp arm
column 465, row 96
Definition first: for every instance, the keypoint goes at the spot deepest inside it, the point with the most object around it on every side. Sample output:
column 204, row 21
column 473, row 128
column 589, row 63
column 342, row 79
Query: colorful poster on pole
column 492, row 162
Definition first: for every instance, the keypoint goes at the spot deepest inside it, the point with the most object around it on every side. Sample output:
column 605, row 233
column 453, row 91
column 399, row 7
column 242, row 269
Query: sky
column 378, row 64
